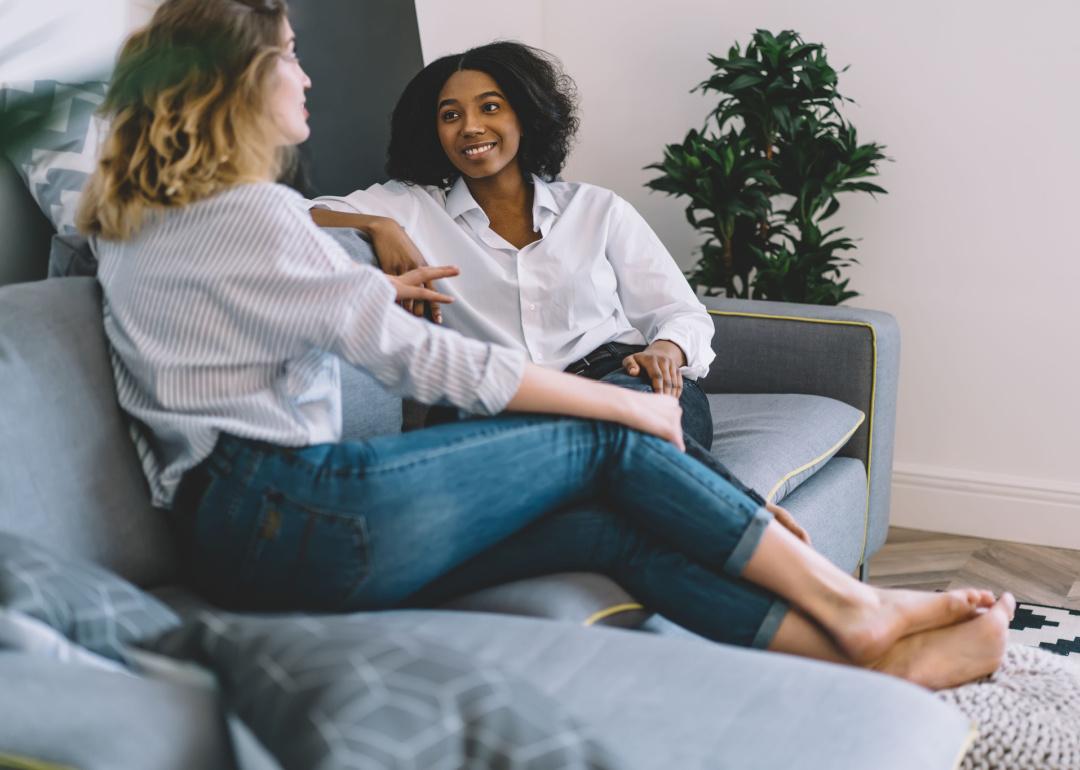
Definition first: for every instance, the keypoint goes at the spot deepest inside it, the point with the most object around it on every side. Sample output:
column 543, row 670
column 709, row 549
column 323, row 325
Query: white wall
column 972, row 249
column 65, row 39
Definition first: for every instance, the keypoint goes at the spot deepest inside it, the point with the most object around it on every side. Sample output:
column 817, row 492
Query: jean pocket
column 302, row 557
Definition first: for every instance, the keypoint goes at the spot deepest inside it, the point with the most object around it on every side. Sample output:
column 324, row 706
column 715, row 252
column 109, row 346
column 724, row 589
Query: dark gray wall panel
column 359, row 55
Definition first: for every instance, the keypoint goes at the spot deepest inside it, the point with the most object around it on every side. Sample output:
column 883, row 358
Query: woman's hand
column 661, row 362
column 786, row 520
column 415, row 285
column 398, row 255
column 657, row 414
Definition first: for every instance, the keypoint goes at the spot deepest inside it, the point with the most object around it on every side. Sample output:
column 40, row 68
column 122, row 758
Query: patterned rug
column 1049, row 628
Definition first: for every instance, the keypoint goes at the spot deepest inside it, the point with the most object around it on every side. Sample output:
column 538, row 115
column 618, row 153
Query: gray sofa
column 649, row 698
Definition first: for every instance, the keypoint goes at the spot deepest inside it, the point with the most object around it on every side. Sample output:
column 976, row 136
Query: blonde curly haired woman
column 227, row 312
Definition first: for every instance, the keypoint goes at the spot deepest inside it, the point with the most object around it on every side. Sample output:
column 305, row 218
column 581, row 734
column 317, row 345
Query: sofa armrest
column 845, row 353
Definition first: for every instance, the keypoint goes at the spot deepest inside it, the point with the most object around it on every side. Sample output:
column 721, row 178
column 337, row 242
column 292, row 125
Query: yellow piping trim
column 596, row 617
column 873, row 393
column 973, row 733
column 827, row 453
column 25, row 763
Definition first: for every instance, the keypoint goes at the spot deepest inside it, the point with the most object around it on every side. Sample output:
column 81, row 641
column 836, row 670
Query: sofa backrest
column 69, row 475
column 24, row 247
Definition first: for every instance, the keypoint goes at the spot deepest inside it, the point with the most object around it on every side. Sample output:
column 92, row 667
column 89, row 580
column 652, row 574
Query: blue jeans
column 416, row 518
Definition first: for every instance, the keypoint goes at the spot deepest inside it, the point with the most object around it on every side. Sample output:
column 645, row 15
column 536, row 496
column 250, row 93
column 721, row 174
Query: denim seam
column 725, row 495
column 473, row 440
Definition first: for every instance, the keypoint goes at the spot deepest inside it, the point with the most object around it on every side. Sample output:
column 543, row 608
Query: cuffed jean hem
column 748, row 543
column 769, row 626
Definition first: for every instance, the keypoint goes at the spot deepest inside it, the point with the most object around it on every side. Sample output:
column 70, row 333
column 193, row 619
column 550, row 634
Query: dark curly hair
column 541, row 94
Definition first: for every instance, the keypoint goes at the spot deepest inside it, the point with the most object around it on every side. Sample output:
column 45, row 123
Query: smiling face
column 478, row 129
column 287, row 93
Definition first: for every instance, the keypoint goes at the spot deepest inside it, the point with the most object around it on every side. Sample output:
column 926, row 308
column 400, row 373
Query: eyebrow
column 484, row 95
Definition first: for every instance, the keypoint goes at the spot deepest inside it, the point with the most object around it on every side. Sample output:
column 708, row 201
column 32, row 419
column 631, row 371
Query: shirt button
column 532, row 307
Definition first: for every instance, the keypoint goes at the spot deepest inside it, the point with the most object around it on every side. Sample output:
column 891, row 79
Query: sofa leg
column 864, row 572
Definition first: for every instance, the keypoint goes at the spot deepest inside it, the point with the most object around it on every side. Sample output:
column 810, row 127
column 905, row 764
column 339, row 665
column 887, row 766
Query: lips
column 478, row 150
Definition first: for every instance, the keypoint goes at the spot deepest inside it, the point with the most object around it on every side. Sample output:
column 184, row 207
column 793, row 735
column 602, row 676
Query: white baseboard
column 984, row 505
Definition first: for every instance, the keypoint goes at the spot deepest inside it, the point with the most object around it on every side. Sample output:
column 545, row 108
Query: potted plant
column 763, row 175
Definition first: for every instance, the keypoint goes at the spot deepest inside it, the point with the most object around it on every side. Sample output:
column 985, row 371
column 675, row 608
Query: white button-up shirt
column 598, row 274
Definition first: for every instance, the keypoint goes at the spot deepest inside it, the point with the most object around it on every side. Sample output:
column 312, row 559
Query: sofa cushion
column 831, row 506
column 81, row 717
column 69, row 475
column 56, row 160
column 86, row 603
column 585, row 598
column 338, row 691
column 681, row 703
column 774, row 442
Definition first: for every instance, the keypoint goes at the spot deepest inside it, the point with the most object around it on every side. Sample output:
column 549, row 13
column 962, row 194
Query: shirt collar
column 459, row 200
column 460, row 203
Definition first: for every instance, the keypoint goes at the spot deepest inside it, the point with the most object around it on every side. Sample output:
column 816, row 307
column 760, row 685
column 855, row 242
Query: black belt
column 605, row 352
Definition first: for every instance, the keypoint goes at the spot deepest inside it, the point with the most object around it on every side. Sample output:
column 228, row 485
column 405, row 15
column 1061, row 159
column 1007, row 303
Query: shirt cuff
column 503, row 372
column 697, row 365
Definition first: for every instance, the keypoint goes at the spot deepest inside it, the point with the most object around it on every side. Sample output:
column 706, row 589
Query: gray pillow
column 56, row 161
column 87, row 604
column 367, row 409
column 69, row 474
column 774, row 442
column 325, row 692
column 70, row 255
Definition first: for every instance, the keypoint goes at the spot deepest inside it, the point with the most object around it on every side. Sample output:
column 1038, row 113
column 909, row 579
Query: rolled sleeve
column 655, row 296
column 695, row 342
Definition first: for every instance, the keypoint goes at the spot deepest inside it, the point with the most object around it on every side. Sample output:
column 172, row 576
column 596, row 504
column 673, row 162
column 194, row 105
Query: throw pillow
column 774, row 442
column 367, row 409
column 71, row 255
column 87, row 604
column 56, row 161
column 25, row 634
column 323, row 692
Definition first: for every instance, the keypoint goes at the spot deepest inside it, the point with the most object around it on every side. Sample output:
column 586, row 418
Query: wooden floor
column 929, row 560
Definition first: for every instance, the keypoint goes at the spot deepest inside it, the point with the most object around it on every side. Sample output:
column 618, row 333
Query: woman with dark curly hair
column 568, row 272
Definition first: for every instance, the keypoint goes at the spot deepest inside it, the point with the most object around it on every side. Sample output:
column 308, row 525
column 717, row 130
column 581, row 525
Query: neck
column 505, row 190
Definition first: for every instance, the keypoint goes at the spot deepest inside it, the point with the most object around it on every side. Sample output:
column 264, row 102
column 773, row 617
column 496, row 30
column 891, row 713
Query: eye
column 490, row 107
column 449, row 115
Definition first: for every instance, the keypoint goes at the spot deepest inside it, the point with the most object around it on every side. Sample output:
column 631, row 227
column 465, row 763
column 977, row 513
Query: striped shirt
column 229, row 315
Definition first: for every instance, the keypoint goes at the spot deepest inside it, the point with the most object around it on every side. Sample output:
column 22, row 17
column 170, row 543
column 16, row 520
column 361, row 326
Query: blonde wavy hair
column 188, row 112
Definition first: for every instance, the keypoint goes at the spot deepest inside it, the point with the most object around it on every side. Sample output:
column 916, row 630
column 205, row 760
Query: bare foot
column 948, row 657
column 867, row 629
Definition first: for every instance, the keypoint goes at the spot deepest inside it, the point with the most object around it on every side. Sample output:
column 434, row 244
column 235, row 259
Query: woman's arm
column 395, row 250
column 657, row 301
column 551, row 392
column 547, row 391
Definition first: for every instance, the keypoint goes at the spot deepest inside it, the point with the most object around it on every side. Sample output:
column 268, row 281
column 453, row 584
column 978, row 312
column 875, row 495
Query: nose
column 472, row 126
column 306, row 82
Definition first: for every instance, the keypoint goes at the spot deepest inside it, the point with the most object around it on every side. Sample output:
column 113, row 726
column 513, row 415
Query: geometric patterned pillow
column 55, row 161
column 337, row 691
column 89, row 605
